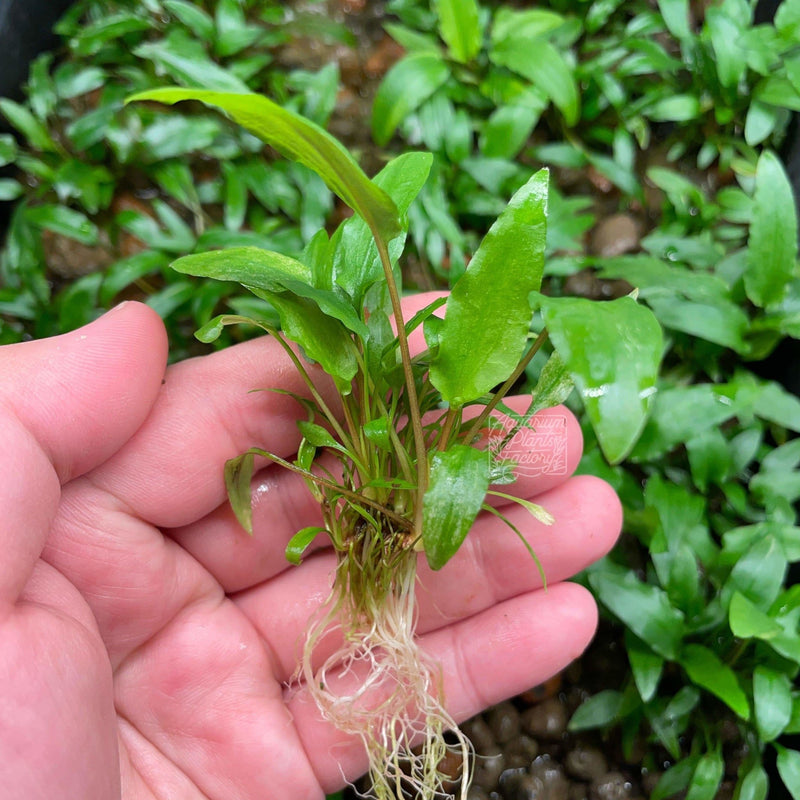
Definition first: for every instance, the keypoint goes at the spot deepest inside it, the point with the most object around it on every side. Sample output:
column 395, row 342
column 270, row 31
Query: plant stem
column 480, row 421
column 420, row 449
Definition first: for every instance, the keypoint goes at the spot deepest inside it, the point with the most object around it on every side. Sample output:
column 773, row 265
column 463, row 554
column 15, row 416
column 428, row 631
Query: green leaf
column 775, row 404
column 270, row 271
column 597, row 711
column 759, row 573
column 646, row 666
column 302, row 141
column 356, row 262
column 747, row 620
column 772, row 246
column 723, row 323
column 238, row 474
column 675, row 779
column 643, row 607
column 542, row 64
column 788, row 762
column 554, row 385
column 460, row 28
column 676, row 17
column 725, row 32
column 323, row 338
column 10, row 189
column 186, row 61
column 613, row 351
column 488, row 314
column 406, row 86
column 706, row 777
column 64, row 221
column 193, row 17
column 705, row 669
column 24, row 121
column 675, row 108
column 772, row 700
column 300, row 542
column 754, row 785
column 459, row 480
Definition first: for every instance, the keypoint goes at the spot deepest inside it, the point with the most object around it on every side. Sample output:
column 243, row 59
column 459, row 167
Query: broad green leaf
column 508, row 129
column 705, row 669
column 459, row 27
column 675, row 108
column 323, row 338
column 760, row 122
column 406, row 86
column 459, row 480
column 528, row 24
column 597, row 711
column 772, row 700
column 747, row 620
column 613, row 351
column 542, row 64
column 488, row 314
column 643, row 607
column 300, row 542
column 775, row 404
column 772, row 246
column 754, row 785
column 758, row 574
column 10, row 189
column 272, row 272
column 377, row 431
column 676, row 17
column 301, row 141
column 680, row 414
column 706, row 777
column 788, row 762
column 238, row 474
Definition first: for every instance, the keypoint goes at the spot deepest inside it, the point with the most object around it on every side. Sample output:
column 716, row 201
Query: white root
column 378, row 685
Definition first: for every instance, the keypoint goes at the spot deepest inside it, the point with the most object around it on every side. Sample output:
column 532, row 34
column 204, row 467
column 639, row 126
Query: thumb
column 66, row 405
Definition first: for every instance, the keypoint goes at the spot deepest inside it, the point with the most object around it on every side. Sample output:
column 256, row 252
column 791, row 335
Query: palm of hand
column 145, row 664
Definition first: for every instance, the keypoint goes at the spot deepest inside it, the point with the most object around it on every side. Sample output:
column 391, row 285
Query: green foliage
column 138, row 187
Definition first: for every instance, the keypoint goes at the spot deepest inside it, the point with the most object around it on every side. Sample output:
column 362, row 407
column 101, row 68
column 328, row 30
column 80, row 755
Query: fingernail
column 118, row 307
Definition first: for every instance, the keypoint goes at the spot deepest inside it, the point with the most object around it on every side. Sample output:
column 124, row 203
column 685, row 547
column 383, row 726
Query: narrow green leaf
column 238, row 474
column 613, row 351
column 300, row 542
column 772, row 246
column 772, row 700
column 460, row 28
column 302, row 141
column 459, row 480
column 788, row 762
column 646, row 666
column 488, row 314
column 554, row 385
column 24, row 121
column 64, row 221
column 675, row 779
column 191, row 15
column 10, row 189
column 406, row 86
column 705, row 669
column 598, row 711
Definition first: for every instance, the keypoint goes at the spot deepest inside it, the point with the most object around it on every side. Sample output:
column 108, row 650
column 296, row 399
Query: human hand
column 147, row 640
